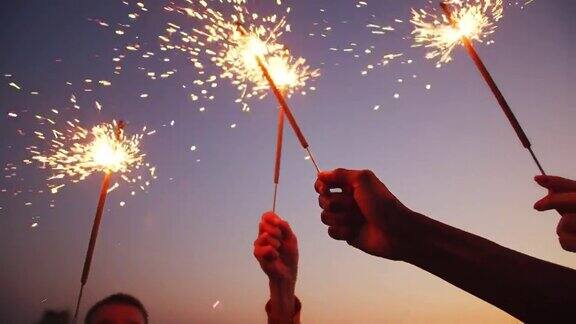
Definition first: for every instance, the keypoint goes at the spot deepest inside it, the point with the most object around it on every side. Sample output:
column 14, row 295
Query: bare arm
column 523, row 286
column 372, row 219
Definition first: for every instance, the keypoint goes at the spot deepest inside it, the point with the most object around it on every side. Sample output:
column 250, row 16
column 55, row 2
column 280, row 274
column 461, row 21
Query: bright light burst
column 475, row 19
column 233, row 42
column 75, row 153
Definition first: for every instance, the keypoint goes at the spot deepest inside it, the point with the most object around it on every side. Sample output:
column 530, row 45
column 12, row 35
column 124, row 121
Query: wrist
column 282, row 288
column 282, row 297
column 416, row 235
column 432, row 242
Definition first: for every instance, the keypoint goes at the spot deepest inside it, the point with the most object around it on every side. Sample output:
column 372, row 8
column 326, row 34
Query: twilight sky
column 447, row 152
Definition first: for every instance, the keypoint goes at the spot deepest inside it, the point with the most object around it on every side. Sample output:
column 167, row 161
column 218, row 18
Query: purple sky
column 186, row 243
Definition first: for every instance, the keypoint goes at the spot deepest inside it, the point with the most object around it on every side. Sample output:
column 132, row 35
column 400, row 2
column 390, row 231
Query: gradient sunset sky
column 186, row 243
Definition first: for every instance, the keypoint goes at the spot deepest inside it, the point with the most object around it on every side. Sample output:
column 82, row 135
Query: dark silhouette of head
column 55, row 317
column 117, row 309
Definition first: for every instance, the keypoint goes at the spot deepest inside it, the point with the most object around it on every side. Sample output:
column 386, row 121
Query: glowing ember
column 76, row 152
column 475, row 19
column 233, row 43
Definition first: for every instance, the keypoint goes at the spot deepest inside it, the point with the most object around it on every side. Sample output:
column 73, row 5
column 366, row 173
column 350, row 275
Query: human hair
column 55, row 317
column 117, row 299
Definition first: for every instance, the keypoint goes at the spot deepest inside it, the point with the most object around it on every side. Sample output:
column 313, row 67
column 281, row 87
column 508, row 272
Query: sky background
column 447, row 152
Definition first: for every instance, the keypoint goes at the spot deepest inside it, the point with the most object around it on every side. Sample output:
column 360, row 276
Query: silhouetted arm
column 366, row 215
column 527, row 288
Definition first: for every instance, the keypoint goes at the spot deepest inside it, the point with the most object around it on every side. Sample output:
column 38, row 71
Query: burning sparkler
column 465, row 22
column 104, row 149
column 234, row 51
column 100, row 149
column 279, row 78
column 474, row 19
column 246, row 48
column 76, row 153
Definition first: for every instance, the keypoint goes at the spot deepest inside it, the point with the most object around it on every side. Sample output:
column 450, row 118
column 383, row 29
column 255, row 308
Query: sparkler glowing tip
column 234, row 43
column 75, row 153
column 473, row 19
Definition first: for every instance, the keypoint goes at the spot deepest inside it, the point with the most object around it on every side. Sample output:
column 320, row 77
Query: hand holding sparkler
column 369, row 217
column 365, row 213
column 561, row 197
column 276, row 249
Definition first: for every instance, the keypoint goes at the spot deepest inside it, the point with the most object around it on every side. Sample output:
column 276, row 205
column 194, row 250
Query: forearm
column 527, row 288
column 282, row 301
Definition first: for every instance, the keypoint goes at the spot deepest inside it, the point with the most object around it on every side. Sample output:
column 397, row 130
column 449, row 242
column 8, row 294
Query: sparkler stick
column 93, row 236
column 282, row 101
column 96, row 226
column 278, row 160
column 74, row 153
column 287, row 111
column 495, row 90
